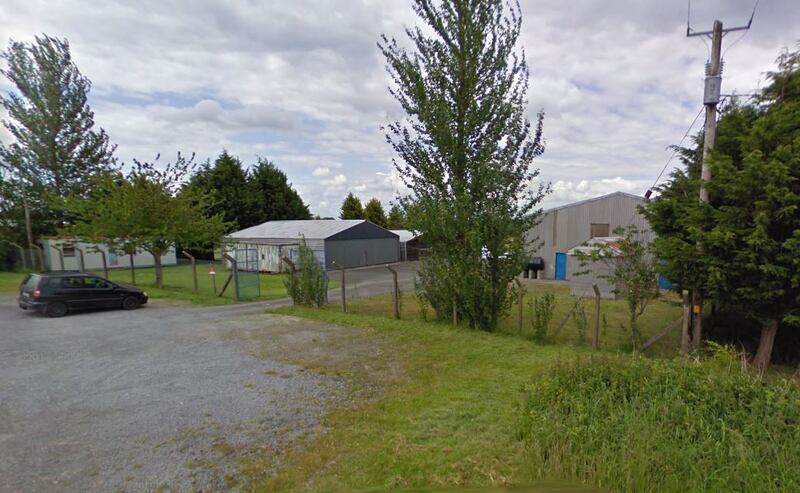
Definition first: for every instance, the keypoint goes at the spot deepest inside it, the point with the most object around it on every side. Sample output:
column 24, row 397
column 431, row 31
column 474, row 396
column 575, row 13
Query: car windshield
column 30, row 282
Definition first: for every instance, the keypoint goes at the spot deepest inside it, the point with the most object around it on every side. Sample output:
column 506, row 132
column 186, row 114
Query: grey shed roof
column 404, row 234
column 312, row 229
column 593, row 199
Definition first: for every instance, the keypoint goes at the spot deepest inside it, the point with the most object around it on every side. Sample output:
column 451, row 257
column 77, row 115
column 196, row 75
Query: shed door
column 561, row 266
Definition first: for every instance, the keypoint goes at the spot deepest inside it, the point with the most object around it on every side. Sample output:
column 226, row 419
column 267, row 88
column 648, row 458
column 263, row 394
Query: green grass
column 450, row 420
column 614, row 333
column 177, row 283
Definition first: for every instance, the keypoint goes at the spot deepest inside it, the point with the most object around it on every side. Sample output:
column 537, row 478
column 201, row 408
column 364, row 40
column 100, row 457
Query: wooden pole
column 344, row 290
column 521, row 302
column 234, row 276
column 133, row 269
column 687, row 317
column 455, row 314
column 596, row 328
column 41, row 256
column 396, row 293
column 60, row 255
column 22, row 255
column 82, row 266
column 105, row 262
column 194, row 269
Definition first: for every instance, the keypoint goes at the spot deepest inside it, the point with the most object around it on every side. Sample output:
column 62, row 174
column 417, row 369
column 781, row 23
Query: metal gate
column 247, row 278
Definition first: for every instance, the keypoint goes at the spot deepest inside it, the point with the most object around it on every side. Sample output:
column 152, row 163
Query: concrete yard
column 168, row 396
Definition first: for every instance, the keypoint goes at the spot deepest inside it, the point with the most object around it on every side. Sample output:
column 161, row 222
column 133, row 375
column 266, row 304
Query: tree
column 373, row 212
column 396, row 218
column 754, row 244
column 228, row 182
column 308, row 285
column 466, row 152
column 631, row 270
column 273, row 195
column 56, row 149
column 351, row 208
column 142, row 210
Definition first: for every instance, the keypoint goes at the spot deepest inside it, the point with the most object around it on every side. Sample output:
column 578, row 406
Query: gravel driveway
column 168, row 396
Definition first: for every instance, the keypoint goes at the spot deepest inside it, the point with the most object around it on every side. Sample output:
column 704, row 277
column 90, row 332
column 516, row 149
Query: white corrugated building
column 350, row 243
column 65, row 254
column 563, row 228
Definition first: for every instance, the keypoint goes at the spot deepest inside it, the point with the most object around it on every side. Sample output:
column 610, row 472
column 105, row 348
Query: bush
column 641, row 425
column 307, row 285
column 542, row 308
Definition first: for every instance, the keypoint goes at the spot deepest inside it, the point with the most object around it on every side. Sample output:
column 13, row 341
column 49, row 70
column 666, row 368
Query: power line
column 674, row 152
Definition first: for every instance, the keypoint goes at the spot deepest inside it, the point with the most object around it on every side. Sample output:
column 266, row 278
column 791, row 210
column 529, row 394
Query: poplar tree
column 373, row 212
column 351, row 208
column 465, row 152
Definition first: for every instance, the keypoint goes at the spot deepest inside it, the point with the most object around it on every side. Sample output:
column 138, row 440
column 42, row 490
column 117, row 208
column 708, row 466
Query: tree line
column 373, row 212
column 60, row 175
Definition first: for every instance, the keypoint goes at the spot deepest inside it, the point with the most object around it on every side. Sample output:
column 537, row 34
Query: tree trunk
column 157, row 265
column 764, row 353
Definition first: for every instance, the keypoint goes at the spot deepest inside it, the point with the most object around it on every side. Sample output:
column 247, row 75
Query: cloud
column 303, row 83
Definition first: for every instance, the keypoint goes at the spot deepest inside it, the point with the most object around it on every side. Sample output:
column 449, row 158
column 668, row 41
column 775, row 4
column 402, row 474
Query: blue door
column 561, row 266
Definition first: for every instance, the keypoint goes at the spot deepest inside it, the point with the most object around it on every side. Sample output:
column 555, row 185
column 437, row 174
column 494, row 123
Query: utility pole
column 711, row 98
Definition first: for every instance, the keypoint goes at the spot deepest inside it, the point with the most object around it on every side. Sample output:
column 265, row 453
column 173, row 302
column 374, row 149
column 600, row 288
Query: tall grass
column 631, row 424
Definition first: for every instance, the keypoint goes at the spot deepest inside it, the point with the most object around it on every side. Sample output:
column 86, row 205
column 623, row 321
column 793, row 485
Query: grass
column 177, row 283
column 450, row 420
column 614, row 333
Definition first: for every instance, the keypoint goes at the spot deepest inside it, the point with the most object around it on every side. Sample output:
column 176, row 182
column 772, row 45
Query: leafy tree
column 754, row 245
column 396, row 218
column 56, row 149
column 351, row 208
column 227, row 181
column 142, row 210
column 631, row 270
column 274, row 197
column 466, row 152
column 373, row 212
column 309, row 284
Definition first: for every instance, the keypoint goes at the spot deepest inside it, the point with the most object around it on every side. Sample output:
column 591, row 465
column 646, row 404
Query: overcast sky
column 303, row 84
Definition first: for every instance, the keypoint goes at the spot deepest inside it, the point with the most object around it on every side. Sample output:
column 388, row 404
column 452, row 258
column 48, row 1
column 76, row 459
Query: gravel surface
column 167, row 397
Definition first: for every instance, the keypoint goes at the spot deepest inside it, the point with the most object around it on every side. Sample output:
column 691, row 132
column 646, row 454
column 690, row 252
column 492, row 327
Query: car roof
column 70, row 273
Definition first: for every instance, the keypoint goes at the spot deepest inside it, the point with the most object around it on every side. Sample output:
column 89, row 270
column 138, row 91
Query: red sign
column 212, row 270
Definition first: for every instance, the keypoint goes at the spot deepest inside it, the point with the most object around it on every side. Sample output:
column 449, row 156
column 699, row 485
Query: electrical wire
column 677, row 148
column 753, row 14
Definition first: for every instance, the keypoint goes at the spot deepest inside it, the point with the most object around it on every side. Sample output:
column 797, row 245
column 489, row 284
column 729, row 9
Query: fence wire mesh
column 248, row 278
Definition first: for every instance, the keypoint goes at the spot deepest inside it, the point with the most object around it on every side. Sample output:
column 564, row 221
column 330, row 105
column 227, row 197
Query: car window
column 71, row 282
column 30, row 282
column 97, row 283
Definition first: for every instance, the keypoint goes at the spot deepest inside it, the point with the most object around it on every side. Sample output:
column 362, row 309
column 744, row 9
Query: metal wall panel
column 361, row 252
column 565, row 227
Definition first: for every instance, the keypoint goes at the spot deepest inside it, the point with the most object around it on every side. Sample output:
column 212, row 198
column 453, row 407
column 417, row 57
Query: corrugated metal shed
column 349, row 243
column 564, row 227
column 404, row 234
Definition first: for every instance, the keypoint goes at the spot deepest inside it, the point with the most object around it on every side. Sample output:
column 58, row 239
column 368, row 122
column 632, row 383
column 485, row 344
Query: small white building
column 584, row 274
column 65, row 254
column 404, row 236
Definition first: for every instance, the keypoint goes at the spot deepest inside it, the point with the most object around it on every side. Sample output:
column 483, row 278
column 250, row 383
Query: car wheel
column 57, row 309
column 131, row 303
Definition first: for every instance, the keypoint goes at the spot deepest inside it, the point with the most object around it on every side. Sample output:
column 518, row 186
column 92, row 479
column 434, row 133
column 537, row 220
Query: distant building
column 65, row 254
column 584, row 273
column 336, row 243
column 563, row 228
column 410, row 244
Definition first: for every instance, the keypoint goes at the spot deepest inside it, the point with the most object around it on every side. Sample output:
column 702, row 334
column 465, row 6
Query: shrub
column 307, row 285
column 641, row 425
column 542, row 308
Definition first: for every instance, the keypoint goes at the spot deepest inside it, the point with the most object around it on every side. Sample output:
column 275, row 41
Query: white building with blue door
column 565, row 227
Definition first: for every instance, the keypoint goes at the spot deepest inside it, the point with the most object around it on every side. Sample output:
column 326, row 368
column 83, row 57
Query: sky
column 304, row 85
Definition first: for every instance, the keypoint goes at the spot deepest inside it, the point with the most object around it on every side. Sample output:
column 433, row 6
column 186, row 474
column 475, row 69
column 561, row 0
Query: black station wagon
column 57, row 293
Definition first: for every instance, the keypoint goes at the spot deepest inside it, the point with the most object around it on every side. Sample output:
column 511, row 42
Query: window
column 69, row 250
column 97, row 283
column 599, row 230
column 66, row 282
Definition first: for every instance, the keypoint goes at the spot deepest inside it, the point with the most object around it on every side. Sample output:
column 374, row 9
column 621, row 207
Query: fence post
column 596, row 328
column 105, row 262
column 234, row 276
column 520, row 302
column 396, row 293
column 22, row 255
column 41, row 256
column 60, row 255
column 455, row 314
column 344, row 290
column 194, row 269
column 82, row 266
column 687, row 314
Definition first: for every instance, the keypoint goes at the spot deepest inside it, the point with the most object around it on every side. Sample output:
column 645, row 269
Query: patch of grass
column 177, row 283
column 615, row 335
column 450, row 419
column 632, row 424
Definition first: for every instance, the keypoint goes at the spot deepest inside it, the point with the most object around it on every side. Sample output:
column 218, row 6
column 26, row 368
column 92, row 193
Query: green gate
column 248, row 280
